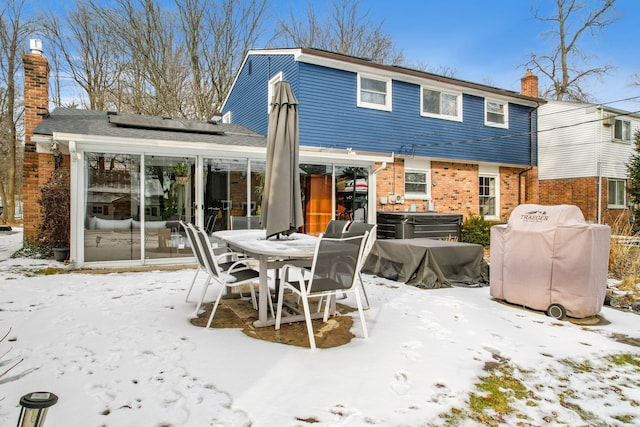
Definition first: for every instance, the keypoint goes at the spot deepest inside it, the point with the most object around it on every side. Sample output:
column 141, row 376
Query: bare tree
column 82, row 39
column 155, row 77
column 566, row 65
column 141, row 56
column 347, row 30
column 441, row 70
column 217, row 36
column 13, row 33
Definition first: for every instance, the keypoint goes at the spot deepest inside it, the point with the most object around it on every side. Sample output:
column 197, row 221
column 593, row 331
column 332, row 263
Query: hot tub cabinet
column 409, row 225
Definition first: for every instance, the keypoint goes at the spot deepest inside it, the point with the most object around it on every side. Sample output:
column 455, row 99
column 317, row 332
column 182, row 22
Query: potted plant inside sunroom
column 181, row 171
column 55, row 198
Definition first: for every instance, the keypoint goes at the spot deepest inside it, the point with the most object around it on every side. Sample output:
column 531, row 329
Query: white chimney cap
column 36, row 46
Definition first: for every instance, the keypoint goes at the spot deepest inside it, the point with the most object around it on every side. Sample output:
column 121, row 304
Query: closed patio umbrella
column 282, row 201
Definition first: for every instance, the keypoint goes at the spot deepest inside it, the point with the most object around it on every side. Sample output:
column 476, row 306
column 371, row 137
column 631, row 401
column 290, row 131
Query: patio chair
column 233, row 273
column 357, row 228
column 360, row 215
column 245, row 222
column 191, row 237
column 334, row 270
column 336, row 227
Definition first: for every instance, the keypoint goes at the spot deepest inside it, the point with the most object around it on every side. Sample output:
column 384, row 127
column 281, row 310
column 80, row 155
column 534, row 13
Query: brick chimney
column 36, row 105
column 529, row 84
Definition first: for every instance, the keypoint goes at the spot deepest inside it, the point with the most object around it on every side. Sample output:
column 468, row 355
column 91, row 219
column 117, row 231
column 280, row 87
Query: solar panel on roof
column 161, row 123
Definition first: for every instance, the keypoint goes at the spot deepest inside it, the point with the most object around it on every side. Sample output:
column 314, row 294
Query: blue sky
column 489, row 41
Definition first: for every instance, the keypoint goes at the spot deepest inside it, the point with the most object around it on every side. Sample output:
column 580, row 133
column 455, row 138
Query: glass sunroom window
column 112, row 206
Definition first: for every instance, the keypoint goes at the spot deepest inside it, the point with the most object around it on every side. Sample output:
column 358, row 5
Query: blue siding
column 248, row 98
column 330, row 118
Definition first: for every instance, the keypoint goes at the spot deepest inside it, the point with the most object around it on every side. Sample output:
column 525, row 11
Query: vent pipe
column 35, row 45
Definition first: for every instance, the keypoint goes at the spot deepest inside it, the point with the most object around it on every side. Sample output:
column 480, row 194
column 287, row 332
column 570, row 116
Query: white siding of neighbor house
column 616, row 154
column 567, row 140
column 574, row 142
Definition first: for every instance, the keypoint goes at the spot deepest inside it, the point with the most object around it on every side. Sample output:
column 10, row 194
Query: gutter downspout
column 372, row 203
column 382, row 167
column 599, row 166
column 531, row 152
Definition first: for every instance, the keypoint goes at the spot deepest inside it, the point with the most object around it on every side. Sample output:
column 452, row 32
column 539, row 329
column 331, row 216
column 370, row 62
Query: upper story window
column 272, row 82
column 374, row 92
column 226, row 117
column 441, row 104
column 622, row 130
column 616, row 194
column 416, row 179
column 496, row 113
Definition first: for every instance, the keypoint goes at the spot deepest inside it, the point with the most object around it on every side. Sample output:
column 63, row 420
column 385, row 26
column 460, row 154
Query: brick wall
column 390, row 181
column 37, row 167
column 454, row 188
column 582, row 192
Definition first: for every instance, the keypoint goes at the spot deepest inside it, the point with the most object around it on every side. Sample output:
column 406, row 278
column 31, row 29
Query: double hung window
column 622, row 130
column 374, row 92
column 272, row 83
column 441, row 104
column 617, row 193
column 496, row 113
column 416, row 179
column 489, row 192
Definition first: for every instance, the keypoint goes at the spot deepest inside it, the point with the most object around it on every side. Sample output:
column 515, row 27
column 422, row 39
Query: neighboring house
column 583, row 152
column 457, row 147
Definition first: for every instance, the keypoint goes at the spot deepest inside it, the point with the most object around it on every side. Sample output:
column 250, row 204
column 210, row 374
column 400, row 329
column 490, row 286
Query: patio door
column 169, row 197
column 231, row 188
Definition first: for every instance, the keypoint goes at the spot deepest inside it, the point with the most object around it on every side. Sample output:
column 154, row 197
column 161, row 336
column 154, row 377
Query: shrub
column 476, row 229
column 55, row 209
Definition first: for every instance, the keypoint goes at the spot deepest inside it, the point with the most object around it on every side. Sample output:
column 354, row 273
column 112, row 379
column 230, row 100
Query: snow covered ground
column 118, row 350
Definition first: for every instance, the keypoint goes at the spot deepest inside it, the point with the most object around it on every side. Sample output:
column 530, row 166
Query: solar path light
column 34, row 408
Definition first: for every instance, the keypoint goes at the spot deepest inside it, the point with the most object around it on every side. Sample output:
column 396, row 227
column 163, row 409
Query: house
column 134, row 177
column 583, row 152
column 456, row 146
column 373, row 138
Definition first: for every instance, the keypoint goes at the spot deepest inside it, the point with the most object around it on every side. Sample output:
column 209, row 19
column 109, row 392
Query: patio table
column 271, row 253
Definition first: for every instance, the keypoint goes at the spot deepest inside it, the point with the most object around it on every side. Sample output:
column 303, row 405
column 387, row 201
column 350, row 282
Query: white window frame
column 226, row 117
column 624, row 125
column 504, row 125
column 615, row 205
column 419, row 166
column 490, row 172
column 272, row 82
column 458, row 95
column 388, row 102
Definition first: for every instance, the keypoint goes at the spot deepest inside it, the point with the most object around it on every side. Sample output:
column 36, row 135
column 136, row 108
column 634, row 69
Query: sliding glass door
column 169, row 197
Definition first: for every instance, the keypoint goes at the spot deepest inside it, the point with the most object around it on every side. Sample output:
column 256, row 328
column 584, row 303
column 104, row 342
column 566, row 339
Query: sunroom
column 133, row 178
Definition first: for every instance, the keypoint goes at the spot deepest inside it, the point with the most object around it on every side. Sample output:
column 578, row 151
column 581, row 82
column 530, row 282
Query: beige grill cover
column 549, row 255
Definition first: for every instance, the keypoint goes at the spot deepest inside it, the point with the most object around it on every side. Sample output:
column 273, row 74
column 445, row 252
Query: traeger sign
column 534, row 216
